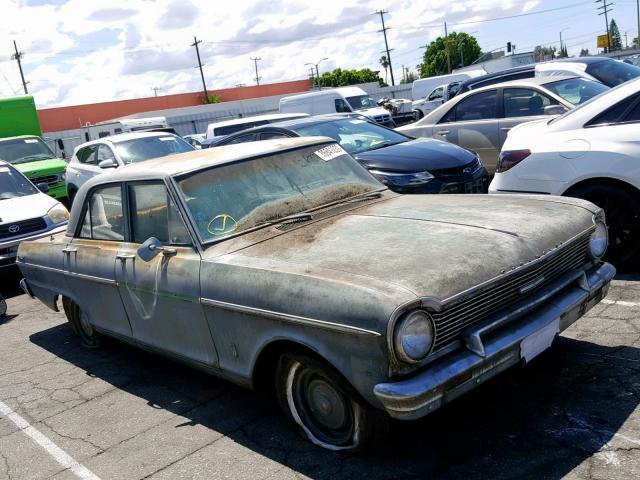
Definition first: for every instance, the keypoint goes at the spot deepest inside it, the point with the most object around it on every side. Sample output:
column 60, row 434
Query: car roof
column 586, row 60
column 273, row 116
column 525, row 82
column 123, row 137
column 181, row 163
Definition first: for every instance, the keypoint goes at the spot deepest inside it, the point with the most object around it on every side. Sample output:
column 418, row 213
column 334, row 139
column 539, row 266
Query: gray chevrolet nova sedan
column 285, row 265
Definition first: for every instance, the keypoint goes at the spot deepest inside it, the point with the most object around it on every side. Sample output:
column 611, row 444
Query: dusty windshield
column 145, row 148
column 13, row 184
column 24, row 150
column 232, row 198
column 361, row 102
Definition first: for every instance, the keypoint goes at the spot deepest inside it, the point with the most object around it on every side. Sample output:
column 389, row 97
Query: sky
column 79, row 51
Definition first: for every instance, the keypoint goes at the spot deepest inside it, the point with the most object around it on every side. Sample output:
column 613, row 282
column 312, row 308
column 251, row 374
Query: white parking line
column 622, row 303
column 59, row 455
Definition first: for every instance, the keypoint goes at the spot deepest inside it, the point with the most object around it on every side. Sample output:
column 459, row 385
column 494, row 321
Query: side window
column 481, row 106
column 270, row 135
column 341, row 105
column 614, row 114
column 153, row 214
column 524, row 102
column 634, row 114
column 86, row 155
column 105, row 153
column 436, row 94
column 241, row 139
column 104, row 217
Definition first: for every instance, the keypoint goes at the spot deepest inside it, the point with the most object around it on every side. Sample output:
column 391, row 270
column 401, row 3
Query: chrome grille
column 50, row 180
column 22, row 227
column 454, row 318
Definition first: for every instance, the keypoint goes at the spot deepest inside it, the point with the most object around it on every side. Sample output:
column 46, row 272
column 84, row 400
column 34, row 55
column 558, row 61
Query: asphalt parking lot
column 120, row 413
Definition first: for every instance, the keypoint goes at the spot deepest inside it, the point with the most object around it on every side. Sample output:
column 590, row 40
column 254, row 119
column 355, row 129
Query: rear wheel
column 325, row 407
column 80, row 324
column 622, row 210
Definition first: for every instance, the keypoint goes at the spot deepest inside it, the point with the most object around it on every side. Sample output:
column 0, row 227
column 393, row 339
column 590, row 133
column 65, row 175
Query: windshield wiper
column 300, row 217
column 386, row 143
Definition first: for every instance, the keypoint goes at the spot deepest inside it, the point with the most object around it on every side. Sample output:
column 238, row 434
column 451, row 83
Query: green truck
column 21, row 145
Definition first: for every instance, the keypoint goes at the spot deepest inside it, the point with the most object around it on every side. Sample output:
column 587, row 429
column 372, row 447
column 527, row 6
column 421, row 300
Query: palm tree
column 384, row 61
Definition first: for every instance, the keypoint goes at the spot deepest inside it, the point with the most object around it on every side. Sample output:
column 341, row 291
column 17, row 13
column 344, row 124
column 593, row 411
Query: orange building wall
column 67, row 118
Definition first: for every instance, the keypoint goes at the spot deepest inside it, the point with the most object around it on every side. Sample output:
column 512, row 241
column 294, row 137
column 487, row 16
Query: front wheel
column 325, row 407
column 622, row 211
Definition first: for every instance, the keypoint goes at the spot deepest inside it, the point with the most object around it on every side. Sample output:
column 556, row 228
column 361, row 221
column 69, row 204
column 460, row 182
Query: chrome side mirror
column 109, row 163
column 152, row 247
column 554, row 110
column 43, row 187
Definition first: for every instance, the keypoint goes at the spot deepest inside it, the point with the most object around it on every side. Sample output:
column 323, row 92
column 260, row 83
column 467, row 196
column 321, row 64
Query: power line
column 18, row 57
column 204, row 85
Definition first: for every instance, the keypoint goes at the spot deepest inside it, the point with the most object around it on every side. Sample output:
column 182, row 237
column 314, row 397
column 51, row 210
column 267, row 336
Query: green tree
column 542, row 53
column 342, row 78
column 213, row 98
column 409, row 77
column 384, row 61
column 463, row 50
column 584, row 52
column 616, row 38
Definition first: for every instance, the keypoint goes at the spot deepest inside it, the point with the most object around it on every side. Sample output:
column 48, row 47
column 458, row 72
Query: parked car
column 479, row 120
column 283, row 264
column 337, row 100
column 26, row 213
column 435, row 98
column 591, row 152
column 218, row 130
column 421, row 87
column 608, row 71
column 403, row 164
column 93, row 158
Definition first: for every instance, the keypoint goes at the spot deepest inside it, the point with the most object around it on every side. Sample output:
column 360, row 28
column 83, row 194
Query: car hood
column 416, row 156
column 427, row 246
column 23, row 208
column 42, row 167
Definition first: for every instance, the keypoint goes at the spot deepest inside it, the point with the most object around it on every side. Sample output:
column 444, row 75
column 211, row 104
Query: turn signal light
column 511, row 158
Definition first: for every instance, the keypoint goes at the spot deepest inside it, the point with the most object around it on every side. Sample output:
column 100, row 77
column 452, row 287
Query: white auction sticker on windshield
column 356, row 121
column 166, row 139
column 30, row 140
column 330, row 152
column 4, row 169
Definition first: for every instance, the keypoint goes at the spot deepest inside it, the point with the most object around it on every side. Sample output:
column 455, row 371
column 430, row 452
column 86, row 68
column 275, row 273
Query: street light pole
column 317, row 71
column 561, row 38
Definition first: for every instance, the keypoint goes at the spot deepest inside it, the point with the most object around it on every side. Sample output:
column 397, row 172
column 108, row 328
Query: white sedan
column 591, row 152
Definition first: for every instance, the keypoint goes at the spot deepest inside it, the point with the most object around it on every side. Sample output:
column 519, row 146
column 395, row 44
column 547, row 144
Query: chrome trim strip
column 312, row 322
column 105, row 281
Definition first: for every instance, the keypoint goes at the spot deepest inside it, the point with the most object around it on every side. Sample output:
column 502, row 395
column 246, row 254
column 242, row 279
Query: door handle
column 124, row 256
column 443, row 132
column 505, row 129
column 69, row 250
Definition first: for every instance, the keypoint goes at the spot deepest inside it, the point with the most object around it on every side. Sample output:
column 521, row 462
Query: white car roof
column 123, row 137
column 240, row 121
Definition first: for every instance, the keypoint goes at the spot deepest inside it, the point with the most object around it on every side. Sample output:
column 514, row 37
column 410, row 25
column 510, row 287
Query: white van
column 125, row 125
column 423, row 86
column 343, row 99
column 227, row 127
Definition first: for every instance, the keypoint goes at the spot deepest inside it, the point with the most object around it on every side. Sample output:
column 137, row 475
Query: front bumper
column 58, row 191
column 494, row 346
column 9, row 247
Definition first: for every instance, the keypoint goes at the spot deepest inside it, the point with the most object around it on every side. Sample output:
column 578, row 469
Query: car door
column 520, row 105
column 90, row 258
column 88, row 164
column 162, row 296
column 473, row 123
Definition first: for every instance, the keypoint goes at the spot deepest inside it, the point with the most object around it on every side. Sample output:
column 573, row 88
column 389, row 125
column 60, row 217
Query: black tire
column 622, row 210
column 325, row 407
column 80, row 324
column 3, row 307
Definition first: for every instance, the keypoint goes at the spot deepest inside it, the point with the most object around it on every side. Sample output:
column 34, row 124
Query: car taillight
column 511, row 158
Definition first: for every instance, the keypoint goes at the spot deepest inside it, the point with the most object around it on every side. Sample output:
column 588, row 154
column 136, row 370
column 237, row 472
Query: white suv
column 92, row 158
column 26, row 213
column 591, row 152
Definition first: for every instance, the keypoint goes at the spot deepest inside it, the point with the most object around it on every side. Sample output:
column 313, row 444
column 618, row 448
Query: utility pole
column 605, row 9
column 155, row 90
column 195, row 43
column 386, row 44
column 638, row 15
column 312, row 75
column 17, row 57
column 446, row 46
column 626, row 41
column 255, row 61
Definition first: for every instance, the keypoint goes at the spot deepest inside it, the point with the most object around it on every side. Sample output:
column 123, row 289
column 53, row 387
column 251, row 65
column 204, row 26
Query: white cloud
column 84, row 52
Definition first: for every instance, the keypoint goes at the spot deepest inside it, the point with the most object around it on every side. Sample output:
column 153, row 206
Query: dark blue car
column 404, row 164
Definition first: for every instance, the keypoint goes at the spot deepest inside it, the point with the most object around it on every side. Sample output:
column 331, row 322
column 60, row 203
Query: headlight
column 414, row 337
column 401, row 179
column 599, row 240
column 62, row 177
column 58, row 214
